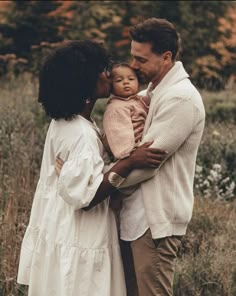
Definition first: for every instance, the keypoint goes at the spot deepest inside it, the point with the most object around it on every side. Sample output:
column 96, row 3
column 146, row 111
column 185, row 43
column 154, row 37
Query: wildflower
column 215, row 133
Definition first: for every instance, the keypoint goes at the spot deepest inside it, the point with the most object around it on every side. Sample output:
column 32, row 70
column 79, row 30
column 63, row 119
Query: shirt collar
column 150, row 90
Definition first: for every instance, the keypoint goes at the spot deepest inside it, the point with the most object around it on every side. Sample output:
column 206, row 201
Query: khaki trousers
column 153, row 266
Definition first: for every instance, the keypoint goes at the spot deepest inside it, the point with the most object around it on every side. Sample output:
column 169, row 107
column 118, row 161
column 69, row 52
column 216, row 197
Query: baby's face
column 124, row 82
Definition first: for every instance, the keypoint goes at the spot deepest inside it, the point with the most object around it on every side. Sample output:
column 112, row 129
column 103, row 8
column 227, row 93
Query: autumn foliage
column 207, row 29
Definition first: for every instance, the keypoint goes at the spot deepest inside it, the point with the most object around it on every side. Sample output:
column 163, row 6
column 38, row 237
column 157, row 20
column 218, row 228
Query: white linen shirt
column 164, row 200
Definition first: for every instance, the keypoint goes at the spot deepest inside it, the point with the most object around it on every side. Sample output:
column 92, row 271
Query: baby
column 123, row 120
column 125, row 113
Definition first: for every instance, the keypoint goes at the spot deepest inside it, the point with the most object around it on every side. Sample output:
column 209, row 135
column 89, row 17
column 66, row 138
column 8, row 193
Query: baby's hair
column 122, row 64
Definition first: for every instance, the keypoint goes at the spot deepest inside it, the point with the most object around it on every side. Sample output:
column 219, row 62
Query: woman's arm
column 142, row 157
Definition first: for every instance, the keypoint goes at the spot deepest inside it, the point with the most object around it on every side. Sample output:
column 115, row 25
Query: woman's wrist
column 115, row 179
column 123, row 167
column 131, row 161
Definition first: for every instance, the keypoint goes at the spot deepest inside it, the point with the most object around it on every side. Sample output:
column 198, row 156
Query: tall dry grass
column 206, row 264
column 207, row 261
column 22, row 133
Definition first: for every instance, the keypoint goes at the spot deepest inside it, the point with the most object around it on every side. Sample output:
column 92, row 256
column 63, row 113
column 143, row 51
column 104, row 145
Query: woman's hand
column 116, row 201
column 147, row 157
column 58, row 165
column 106, row 145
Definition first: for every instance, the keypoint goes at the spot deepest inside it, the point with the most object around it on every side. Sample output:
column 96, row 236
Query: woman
column 70, row 246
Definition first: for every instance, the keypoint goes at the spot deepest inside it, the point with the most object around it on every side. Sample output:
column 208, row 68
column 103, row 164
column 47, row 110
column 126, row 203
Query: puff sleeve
column 79, row 179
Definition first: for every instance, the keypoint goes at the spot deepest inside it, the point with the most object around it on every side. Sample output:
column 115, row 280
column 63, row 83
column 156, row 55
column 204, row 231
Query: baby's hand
column 138, row 127
column 58, row 165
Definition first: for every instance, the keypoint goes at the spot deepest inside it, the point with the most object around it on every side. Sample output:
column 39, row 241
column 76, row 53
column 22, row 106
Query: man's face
column 150, row 67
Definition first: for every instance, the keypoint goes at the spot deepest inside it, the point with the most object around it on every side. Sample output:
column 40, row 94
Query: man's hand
column 58, row 165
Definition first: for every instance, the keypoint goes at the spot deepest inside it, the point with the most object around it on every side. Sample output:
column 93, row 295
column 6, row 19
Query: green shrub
column 218, row 147
column 220, row 106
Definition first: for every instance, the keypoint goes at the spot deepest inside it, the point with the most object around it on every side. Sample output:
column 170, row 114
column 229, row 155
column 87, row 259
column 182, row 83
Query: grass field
column 207, row 260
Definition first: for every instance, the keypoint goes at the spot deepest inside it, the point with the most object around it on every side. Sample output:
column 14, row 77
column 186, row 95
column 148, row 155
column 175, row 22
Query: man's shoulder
column 179, row 93
column 183, row 89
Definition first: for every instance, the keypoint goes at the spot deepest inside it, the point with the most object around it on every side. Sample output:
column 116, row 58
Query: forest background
column 30, row 29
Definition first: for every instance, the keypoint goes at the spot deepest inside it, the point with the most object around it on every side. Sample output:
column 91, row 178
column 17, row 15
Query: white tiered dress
column 67, row 251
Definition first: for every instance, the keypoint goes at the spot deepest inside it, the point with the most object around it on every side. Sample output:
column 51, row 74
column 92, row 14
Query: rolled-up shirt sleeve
column 79, row 180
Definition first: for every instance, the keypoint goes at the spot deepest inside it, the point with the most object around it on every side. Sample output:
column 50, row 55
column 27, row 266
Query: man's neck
column 156, row 81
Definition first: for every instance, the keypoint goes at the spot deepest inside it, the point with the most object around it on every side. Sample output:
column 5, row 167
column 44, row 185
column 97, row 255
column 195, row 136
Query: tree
column 207, row 30
column 220, row 65
column 199, row 29
column 28, row 23
column 197, row 22
column 99, row 20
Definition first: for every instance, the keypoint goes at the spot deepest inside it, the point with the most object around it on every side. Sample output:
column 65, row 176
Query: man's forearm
column 135, row 177
column 138, row 176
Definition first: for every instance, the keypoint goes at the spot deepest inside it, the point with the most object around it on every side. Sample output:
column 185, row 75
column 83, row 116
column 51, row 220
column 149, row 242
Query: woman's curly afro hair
column 69, row 75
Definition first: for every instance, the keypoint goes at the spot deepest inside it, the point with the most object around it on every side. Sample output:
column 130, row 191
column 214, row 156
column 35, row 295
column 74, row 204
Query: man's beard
column 142, row 78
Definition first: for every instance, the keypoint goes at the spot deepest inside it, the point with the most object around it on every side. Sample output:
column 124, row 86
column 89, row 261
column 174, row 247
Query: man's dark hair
column 69, row 76
column 160, row 33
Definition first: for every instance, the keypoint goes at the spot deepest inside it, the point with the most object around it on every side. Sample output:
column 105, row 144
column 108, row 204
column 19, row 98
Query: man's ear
column 167, row 56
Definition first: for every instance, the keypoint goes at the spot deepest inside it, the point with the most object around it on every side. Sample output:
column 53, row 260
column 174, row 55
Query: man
column 156, row 216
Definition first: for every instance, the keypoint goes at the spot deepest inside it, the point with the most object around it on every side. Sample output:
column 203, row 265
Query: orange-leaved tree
column 219, row 66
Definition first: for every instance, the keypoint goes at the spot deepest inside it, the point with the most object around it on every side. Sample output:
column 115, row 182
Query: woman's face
column 103, row 86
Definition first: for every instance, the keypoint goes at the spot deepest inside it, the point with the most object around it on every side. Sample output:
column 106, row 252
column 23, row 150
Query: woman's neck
column 86, row 113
